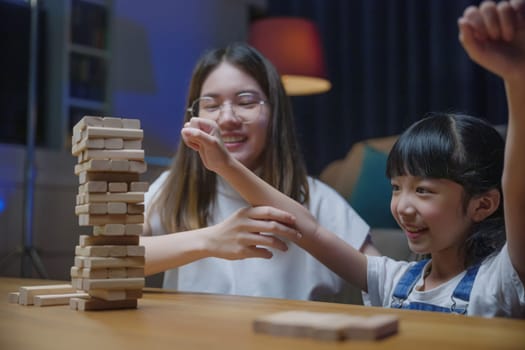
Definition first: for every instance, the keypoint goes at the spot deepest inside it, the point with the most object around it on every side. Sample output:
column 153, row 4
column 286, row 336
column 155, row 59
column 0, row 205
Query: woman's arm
column 493, row 35
column 235, row 238
column 202, row 136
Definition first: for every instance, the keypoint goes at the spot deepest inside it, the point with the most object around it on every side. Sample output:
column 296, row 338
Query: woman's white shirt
column 293, row 274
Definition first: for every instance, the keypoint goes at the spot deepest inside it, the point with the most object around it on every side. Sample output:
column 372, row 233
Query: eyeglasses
column 245, row 106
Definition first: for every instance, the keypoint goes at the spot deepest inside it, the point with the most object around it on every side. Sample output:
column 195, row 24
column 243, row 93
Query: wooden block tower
column 109, row 264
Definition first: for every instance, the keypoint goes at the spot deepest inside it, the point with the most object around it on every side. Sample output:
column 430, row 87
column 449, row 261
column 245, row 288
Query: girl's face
column 431, row 212
column 246, row 141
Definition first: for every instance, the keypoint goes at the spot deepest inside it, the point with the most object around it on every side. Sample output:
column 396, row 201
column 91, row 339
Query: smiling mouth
column 414, row 233
column 233, row 139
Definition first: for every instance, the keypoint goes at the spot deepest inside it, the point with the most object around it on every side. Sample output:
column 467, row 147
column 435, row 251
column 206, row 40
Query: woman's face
column 246, row 141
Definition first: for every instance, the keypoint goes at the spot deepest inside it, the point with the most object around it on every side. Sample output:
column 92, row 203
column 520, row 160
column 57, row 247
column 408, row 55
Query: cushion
column 372, row 192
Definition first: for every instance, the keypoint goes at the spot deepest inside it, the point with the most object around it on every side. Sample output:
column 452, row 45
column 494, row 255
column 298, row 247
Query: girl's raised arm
column 493, row 35
column 202, row 136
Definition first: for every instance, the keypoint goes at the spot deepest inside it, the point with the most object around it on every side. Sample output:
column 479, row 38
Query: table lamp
column 293, row 45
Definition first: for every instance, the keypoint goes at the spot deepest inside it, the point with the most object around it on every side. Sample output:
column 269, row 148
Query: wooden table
column 170, row 320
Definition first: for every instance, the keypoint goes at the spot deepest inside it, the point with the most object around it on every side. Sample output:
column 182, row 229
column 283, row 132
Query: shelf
column 80, row 64
column 89, row 51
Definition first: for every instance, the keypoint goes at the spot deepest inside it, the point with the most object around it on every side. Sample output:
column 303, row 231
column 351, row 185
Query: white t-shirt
column 293, row 274
column 497, row 289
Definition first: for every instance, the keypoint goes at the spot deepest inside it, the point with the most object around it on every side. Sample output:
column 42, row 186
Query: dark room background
column 390, row 63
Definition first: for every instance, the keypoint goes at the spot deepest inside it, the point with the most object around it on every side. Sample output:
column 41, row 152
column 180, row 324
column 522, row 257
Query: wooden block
column 113, row 143
column 82, row 124
column 139, row 186
column 117, row 208
column 117, row 154
column 93, row 165
column 118, row 272
column 76, row 137
column 76, row 283
column 109, row 230
column 77, row 148
column 13, row 297
column 88, row 219
column 102, row 132
column 135, row 250
column 28, row 293
column 111, row 122
column 134, row 208
column 121, row 165
column 132, row 144
column 374, row 327
column 85, row 240
column 114, row 283
column 326, row 326
column 109, row 262
column 88, row 120
column 99, row 304
column 93, row 186
column 86, row 176
column 128, row 197
column 135, row 272
column 116, row 294
column 57, row 299
column 136, row 166
column 118, row 187
column 119, row 250
column 100, row 250
column 133, row 229
column 81, row 199
column 73, row 303
column 81, row 273
column 92, row 208
column 130, row 123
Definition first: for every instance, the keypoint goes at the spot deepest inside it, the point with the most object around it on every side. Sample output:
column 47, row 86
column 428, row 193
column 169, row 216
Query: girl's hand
column 203, row 136
column 241, row 235
column 493, row 35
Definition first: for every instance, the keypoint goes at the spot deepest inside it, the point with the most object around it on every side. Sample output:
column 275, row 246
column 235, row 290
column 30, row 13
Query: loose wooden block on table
column 326, row 326
column 13, row 297
column 27, row 293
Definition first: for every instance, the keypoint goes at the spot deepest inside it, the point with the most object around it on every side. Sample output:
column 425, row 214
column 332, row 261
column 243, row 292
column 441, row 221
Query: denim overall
column 412, row 275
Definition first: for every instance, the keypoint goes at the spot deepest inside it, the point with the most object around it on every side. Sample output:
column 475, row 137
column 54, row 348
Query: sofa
column 360, row 178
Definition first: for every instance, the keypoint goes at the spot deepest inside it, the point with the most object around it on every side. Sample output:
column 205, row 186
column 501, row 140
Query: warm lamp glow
column 294, row 47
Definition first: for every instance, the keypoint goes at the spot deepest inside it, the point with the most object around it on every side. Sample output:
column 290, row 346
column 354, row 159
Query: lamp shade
column 294, row 47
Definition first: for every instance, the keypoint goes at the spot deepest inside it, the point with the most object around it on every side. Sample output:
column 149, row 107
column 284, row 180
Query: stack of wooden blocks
column 109, row 264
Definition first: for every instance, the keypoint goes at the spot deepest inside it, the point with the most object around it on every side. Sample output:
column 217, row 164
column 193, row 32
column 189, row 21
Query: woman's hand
column 245, row 234
column 493, row 35
column 203, row 136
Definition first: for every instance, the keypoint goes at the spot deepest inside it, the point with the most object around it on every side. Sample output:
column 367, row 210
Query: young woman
column 447, row 174
column 201, row 230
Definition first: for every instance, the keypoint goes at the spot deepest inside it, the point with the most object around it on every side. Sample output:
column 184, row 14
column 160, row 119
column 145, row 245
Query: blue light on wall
column 2, row 205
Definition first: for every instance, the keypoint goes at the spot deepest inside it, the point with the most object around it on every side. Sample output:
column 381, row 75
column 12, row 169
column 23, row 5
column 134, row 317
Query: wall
column 155, row 49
